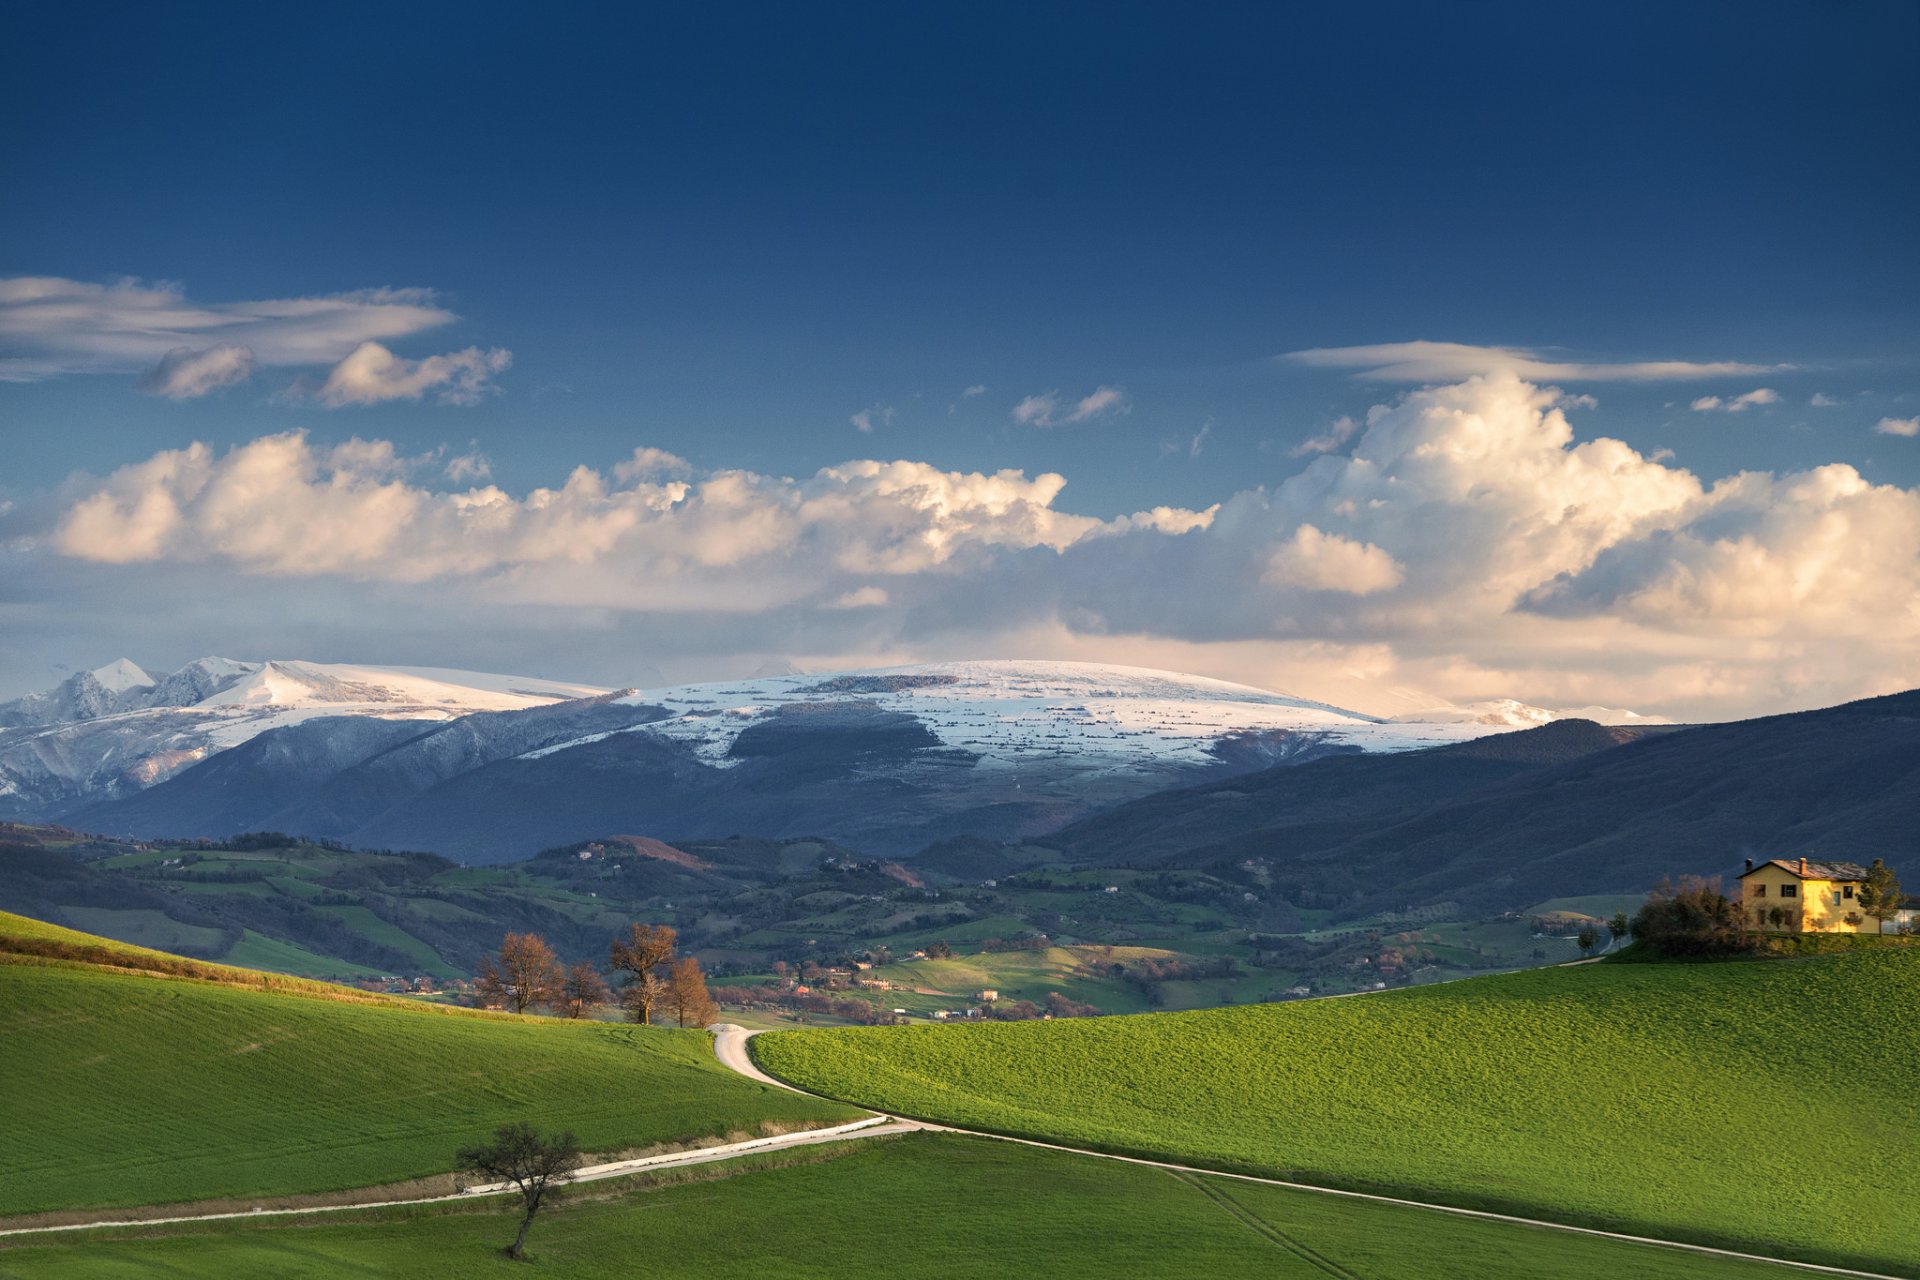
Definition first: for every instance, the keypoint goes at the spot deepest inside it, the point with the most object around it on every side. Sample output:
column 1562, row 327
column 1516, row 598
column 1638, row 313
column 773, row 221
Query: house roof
column 1816, row 870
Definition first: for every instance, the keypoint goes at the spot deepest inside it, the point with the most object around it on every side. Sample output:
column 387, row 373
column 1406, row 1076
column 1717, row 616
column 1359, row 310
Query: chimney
column 1803, row 868
column 1749, row 864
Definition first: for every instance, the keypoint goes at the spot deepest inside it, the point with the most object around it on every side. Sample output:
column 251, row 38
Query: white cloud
column 51, row 326
column 875, row 415
column 977, row 389
column 185, row 374
column 1898, row 427
column 1451, row 361
column 1469, row 542
column 1327, row 441
column 371, row 374
column 860, row 598
column 466, row 468
column 1821, row 400
column 1736, row 404
column 649, row 463
column 1320, row 561
column 1049, row 410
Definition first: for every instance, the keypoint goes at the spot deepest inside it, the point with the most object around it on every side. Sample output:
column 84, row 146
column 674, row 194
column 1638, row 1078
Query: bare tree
column 639, row 954
column 537, row 1167
column 692, row 1005
column 525, row 973
column 584, row 989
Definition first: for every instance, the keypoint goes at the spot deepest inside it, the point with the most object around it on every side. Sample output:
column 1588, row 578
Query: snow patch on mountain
column 1013, row 713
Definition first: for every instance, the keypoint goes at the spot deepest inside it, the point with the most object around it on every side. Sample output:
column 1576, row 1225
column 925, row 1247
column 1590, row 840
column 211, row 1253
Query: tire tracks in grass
column 1262, row 1228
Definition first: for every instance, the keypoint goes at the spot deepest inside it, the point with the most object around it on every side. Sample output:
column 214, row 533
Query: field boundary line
column 1488, row 1215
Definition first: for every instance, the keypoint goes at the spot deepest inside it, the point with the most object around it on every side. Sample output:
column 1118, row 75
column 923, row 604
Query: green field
column 128, row 1090
column 926, row 1206
column 1746, row 1104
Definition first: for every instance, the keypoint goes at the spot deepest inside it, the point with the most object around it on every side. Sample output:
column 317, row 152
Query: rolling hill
column 1758, row 1105
column 147, row 1089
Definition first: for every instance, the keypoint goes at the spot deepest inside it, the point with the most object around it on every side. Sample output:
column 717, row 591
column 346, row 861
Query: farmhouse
column 1797, row 895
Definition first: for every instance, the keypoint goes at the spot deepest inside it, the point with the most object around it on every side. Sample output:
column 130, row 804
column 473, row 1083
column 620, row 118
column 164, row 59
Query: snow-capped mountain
column 117, row 729
column 488, row 767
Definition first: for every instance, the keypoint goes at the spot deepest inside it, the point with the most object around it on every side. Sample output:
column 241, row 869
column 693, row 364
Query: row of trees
column 651, row 980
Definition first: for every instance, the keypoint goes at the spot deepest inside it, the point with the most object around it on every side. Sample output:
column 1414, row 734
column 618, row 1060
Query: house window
column 1760, row 891
column 1847, row 890
column 1789, row 890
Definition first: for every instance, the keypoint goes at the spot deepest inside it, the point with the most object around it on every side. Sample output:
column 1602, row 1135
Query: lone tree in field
column 1881, row 895
column 537, row 1167
column 1589, row 938
column 692, row 1006
column 525, row 973
column 584, row 988
column 639, row 955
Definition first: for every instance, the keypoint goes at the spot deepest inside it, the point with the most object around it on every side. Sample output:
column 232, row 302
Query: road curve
column 730, row 1046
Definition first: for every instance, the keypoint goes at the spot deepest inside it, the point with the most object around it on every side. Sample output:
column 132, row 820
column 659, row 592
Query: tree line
column 650, row 979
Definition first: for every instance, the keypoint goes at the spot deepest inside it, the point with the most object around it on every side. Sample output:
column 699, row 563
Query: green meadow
column 137, row 1090
column 925, row 1206
column 1766, row 1106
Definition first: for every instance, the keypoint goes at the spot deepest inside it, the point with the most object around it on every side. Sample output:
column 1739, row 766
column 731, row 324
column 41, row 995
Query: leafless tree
column 537, row 1166
column 584, row 989
column 639, row 954
column 692, row 1005
column 525, row 973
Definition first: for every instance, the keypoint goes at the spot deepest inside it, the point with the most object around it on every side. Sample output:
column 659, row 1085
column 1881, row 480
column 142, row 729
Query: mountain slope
column 885, row 760
column 1559, row 810
column 111, row 732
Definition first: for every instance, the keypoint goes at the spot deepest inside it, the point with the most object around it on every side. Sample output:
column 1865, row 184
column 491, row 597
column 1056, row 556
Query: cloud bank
column 52, row 327
column 1469, row 542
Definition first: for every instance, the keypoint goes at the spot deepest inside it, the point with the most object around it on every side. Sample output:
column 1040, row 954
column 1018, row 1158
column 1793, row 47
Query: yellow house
column 1808, row 895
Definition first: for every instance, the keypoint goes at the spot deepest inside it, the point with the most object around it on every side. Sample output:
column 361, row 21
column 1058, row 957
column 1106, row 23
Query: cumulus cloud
column 1736, row 404
column 186, row 374
column 467, row 467
column 1451, row 361
column 649, row 463
column 977, row 389
column 1821, row 400
column 371, row 374
column 1469, row 541
column 1049, row 410
column 1898, row 427
column 1328, row 562
column 279, row 505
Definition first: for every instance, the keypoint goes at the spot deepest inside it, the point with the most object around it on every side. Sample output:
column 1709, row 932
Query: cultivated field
column 925, row 1206
column 1763, row 1105
column 136, row 1090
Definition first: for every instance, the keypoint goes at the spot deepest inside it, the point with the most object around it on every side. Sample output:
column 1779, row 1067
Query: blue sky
column 727, row 233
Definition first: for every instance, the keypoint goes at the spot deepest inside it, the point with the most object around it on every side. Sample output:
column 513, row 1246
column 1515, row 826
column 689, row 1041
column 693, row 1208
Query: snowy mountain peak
column 121, row 675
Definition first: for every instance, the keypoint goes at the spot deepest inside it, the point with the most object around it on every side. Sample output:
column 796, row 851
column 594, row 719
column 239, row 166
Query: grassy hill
column 1762, row 1105
column 927, row 1206
column 213, row 1082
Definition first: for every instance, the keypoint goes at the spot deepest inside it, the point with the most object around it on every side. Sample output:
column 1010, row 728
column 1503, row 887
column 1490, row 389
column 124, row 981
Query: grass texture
column 926, row 1206
column 1768, row 1106
column 123, row 1089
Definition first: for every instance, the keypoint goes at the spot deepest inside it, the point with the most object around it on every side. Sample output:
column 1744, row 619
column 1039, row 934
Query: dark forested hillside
column 1569, row 808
